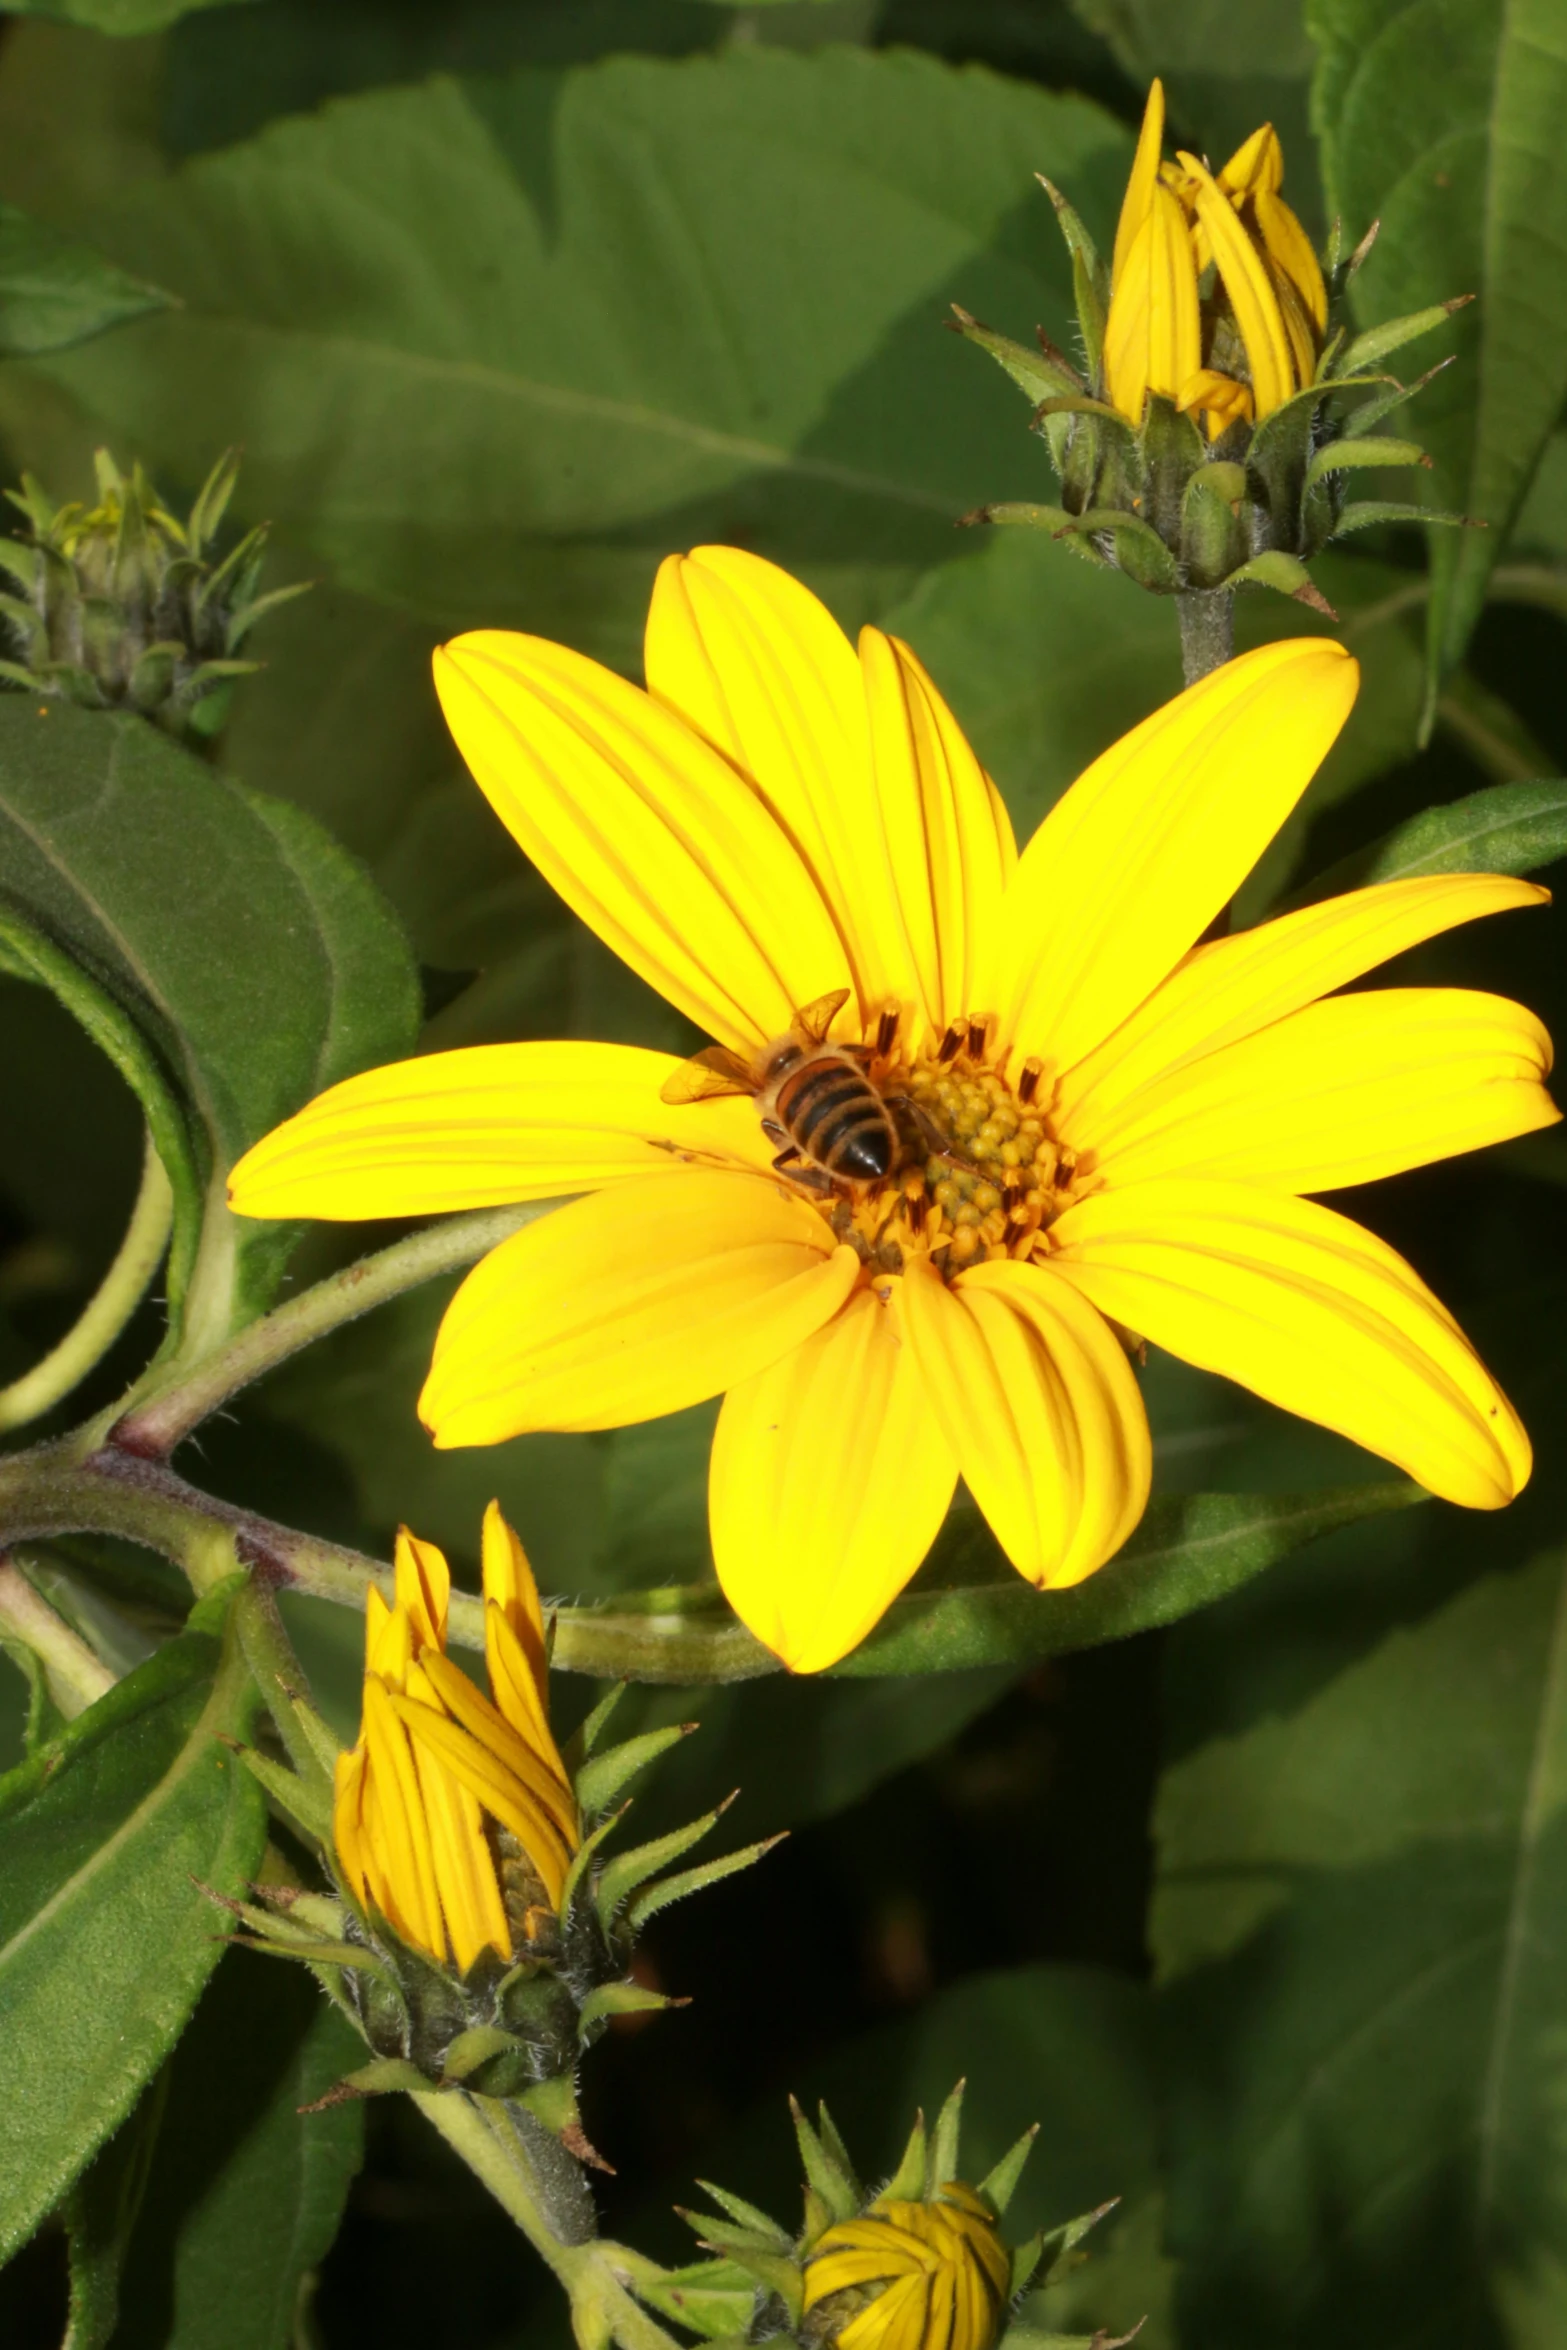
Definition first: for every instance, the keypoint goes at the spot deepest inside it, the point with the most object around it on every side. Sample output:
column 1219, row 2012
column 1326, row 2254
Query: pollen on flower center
column 980, row 1172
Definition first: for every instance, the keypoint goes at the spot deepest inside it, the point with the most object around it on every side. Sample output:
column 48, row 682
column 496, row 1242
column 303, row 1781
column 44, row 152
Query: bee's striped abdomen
column 831, row 1113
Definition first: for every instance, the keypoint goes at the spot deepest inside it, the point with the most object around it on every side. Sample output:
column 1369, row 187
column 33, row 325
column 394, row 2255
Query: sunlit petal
column 1250, row 289
column 607, row 1313
column 1137, row 203
column 486, row 1126
column 645, row 831
column 1128, row 869
column 1308, row 1310
column 1342, row 1092
column 830, row 1477
column 1041, row 1407
column 1233, row 986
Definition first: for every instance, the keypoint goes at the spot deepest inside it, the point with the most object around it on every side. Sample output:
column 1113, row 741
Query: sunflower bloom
column 454, row 1816
column 914, row 2276
column 1102, row 1126
column 1234, row 359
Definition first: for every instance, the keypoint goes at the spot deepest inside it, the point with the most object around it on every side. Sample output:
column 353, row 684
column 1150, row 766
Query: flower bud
column 120, row 606
column 480, row 1937
column 1205, row 443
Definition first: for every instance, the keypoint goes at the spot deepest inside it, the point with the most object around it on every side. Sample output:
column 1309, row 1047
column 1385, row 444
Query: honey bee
column 834, row 1131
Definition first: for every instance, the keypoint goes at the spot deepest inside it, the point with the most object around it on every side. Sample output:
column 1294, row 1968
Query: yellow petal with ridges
column 948, row 833
column 1129, row 868
column 464, row 1872
column 494, row 1787
column 645, row 831
column 614, row 1310
column 1345, row 1091
column 1144, row 178
column 1233, row 986
column 1250, row 289
column 538, row 1774
column 409, row 1900
column 1040, row 1406
column 1126, row 346
column 830, row 1478
column 760, row 668
column 1174, row 327
column 1257, row 163
column 510, row 1587
column 486, row 1126
column 1287, row 243
column 1306, row 1309
column 422, row 1587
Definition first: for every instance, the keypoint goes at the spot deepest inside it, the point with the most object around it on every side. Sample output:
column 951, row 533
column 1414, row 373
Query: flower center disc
column 980, row 1173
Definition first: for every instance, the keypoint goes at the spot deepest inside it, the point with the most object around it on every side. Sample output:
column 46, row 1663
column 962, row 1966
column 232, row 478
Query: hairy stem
column 521, row 2165
column 1207, row 621
column 180, row 1400
column 76, row 1677
column 114, row 1301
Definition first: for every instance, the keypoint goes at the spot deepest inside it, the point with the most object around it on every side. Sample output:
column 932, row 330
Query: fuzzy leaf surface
column 284, row 971
column 105, row 1940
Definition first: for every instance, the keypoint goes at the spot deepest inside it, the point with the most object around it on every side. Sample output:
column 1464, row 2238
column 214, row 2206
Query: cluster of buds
column 477, row 1933
column 121, row 606
column 918, row 2264
column 1206, row 442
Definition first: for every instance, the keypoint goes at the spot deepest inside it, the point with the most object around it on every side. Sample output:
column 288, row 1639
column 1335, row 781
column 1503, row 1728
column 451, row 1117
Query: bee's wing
column 715, row 1070
column 814, row 1020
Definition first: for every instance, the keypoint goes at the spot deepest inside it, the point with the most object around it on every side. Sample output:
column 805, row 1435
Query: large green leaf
column 1512, row 828
column 1442, row 118
column 226, row 1005
column 54, row 292
column 124, row 17
column 1361, row 1929
column 105, row 1937
column 537, row 331
column 244, row 2192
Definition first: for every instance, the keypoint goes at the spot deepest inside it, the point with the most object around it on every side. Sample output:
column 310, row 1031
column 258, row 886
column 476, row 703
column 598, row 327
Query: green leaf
column 226, row 1007
column 99, row 2214
column 1189, row 1551
column 435, row 398
column 1034, row 371
column 1370, row 450
column 1445, row 120
column 54, row 292
column 1512, row 828
column 1361, row 1929
column 124, row 17
column 245, row 2191
column 105, row 1938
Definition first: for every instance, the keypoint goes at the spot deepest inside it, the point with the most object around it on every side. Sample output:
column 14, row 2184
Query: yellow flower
column 442, row 1780
column 1177, row 219
column 938, row 2271
column 1127, row 1119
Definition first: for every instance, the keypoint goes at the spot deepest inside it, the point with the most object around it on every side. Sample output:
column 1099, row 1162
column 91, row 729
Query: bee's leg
column 925, row 1126
column 792, row 1163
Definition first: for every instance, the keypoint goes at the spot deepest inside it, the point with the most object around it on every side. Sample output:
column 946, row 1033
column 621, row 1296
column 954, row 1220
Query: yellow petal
column 510, row 1588
column 1343, row 1092
column 423, row 1585
column 1287, row 243
column 521, row 1703
column 1257, row 163
column 624, row 1306
column 485, row 1126
column 493, row 1786
column 1138, row 200
column 1233, row 986
column 830, row 1479
column 759, row 667
column 645, row 831
column 464, row 1872
column 1129, row 868
column 409, row 1898
column 949, row 837
column 1039, row 1404
column 1174, row 330
column 1306, row 1309
column 539, row 1774
column 1250, row 289
column 1126, row 345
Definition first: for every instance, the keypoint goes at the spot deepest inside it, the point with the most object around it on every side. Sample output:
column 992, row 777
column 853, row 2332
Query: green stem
column 1207, row 619
column 75, row 1676
column 180, row 1400
column 551, row 2213
column 116, row 1298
